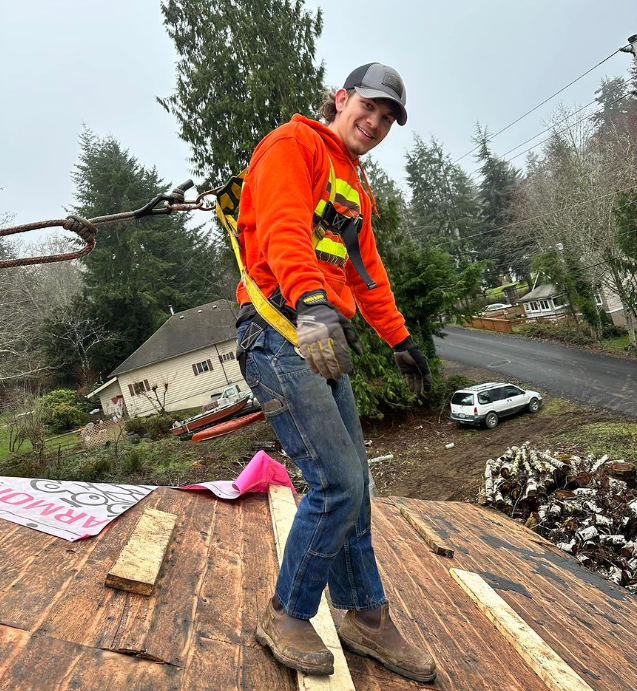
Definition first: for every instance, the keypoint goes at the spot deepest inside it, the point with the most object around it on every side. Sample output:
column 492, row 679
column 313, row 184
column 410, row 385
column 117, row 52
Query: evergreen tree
column 139, row 268
column 443, row 202
column 244, row 68
column 426, row 281
column 496, row 194
column 612, row 97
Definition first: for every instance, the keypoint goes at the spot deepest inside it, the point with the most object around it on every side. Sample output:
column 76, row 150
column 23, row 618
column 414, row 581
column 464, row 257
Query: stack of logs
column 586, row 506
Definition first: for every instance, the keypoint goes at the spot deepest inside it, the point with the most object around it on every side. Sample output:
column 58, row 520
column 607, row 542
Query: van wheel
column 533, row 406
column 491, row 420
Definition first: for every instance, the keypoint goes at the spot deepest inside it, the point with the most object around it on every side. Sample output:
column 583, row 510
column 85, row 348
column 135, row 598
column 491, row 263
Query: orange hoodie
column 286, row 184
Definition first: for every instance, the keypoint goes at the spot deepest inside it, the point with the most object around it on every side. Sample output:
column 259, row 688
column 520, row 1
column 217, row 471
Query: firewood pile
column 586, row 506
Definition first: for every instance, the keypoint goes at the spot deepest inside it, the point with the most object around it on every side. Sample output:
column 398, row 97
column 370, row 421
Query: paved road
column 598, row 380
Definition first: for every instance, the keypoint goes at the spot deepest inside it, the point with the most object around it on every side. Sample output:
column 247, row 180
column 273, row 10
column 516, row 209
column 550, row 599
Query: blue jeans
column 315, row 420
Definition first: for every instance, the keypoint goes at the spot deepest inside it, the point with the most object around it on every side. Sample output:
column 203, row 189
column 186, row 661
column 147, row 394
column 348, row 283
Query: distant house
column 609, row 301
column 188, row 359
column 545, row 301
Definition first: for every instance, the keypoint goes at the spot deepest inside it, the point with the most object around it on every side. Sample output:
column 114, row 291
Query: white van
column 487, row 403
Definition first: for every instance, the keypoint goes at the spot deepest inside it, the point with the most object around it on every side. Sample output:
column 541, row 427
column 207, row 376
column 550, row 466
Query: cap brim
column 377, row 93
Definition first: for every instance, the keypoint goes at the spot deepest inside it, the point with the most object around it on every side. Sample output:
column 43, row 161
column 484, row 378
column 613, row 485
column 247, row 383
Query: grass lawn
column 167, row 461
column 617, row 439
column 63, row 441
column 499, row 290
column 615, row 345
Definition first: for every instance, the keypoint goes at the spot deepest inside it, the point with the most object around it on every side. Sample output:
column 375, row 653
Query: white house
column 188, row 359
column 545, row 301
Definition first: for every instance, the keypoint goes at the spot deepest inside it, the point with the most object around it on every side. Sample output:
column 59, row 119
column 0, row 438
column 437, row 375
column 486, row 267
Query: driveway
column 598, row 380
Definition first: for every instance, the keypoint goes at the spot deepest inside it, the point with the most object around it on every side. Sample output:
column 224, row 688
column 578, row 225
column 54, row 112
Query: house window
column 226, row 357
column 544, row 304
column 139, row 387
column 533, row 306
column 201, row 367
column 559, row 300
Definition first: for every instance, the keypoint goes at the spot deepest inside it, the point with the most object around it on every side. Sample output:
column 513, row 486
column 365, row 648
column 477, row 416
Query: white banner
column 71, row 510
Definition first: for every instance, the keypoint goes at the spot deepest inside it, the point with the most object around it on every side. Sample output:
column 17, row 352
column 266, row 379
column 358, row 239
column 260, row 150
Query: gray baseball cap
column 375, row 80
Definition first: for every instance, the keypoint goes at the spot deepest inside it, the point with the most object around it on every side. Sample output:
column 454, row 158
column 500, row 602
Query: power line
column 472, row 176
column 539, row 105
column 532, row 218
column 577, row 122
column 570, row 115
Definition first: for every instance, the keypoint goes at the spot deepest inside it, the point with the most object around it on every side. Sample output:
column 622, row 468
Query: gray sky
column 69, row 62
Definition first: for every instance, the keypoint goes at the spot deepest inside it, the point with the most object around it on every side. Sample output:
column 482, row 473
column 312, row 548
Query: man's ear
column 340, row 99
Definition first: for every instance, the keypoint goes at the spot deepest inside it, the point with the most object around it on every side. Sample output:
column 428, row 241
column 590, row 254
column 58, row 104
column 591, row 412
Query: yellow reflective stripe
column 329, row 246
column 348, row 192
column 320, row 207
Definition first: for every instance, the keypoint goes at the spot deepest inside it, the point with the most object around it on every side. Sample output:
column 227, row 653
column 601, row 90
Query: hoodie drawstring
column 369, row 189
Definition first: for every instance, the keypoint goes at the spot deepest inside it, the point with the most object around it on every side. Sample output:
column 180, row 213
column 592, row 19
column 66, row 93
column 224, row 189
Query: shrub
column 157, row 426
column 564, row 333
column 62, row 410
column 614, row 331
column 136, row 425
column 447, row 387
column 64, row 417
column 59, row 397
column 134, row 462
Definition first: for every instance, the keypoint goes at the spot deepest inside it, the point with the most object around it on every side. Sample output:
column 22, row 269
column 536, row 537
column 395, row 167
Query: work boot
column 293, row 642
column 373, row 633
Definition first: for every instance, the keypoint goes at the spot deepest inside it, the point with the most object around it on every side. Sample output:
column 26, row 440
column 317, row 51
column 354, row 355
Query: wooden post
column 282, row 510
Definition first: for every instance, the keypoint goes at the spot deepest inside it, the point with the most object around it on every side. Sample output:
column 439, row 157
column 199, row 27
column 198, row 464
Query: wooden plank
column 137, row 567
column 553, row 671
column 431, row 539
column 282, row 510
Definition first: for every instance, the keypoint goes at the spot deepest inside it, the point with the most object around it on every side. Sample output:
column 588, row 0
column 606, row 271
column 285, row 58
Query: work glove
column 413, row 366
column 324, row 335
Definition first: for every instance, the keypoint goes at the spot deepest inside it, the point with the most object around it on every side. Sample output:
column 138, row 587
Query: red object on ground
column 229, row 426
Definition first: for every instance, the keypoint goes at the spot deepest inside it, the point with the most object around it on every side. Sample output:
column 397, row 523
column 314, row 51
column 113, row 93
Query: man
column 307, row 243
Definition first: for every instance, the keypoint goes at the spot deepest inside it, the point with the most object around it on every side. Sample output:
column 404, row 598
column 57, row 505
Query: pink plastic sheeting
column 255, row 477
column 70, row 510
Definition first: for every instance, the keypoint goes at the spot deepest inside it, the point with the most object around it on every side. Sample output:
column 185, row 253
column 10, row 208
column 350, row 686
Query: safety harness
column 270, row 309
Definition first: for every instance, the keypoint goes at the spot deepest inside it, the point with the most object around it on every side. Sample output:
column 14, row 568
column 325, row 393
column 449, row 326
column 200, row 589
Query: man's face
column 361, row 123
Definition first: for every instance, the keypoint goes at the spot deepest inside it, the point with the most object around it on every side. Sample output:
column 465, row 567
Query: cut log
column 137, row 567
column 624, row 471
column 542, row 659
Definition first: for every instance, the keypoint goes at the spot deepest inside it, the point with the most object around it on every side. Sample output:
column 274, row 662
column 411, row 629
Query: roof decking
column 62, row 629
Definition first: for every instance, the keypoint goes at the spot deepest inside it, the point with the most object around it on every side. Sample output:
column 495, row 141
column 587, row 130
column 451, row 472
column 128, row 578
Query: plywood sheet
column 58, row 623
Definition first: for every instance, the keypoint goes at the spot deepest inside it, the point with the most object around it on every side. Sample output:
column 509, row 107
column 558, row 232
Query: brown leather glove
column 325, row 336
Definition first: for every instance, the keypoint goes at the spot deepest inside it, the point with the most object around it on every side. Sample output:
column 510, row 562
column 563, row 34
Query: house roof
column 102, row 387
column 546, row 290
column 58, row 623
column 184, row 332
